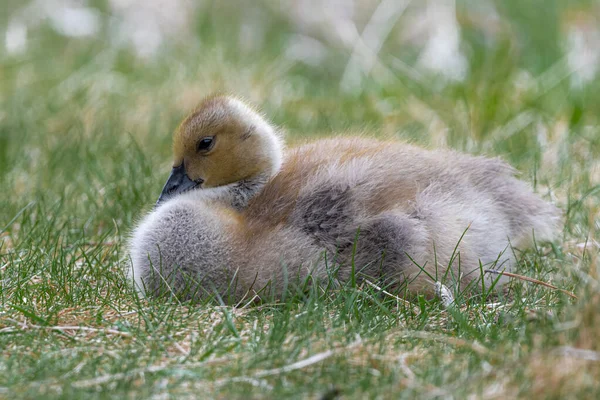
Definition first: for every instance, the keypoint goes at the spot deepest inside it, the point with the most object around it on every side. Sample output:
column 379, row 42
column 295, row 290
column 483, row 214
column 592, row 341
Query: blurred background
column 90, row 91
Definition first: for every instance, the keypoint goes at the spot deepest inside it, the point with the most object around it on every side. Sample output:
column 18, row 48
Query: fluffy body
column 384, row 209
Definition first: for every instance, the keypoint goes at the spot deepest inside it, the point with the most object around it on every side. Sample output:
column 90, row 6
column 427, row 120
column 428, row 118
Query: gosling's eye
column 205, row 144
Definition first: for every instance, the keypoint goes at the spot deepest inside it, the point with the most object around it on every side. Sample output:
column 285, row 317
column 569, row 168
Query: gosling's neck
column 239, row 193
column 235, row 195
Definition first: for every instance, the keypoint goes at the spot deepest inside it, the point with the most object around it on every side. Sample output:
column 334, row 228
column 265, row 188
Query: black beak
column 178, row 182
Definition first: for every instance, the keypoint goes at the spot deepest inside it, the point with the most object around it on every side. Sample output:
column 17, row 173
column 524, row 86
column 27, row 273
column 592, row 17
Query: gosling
column 349, row 207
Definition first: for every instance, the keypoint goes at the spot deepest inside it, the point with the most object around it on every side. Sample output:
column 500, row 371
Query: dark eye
column 205, row 144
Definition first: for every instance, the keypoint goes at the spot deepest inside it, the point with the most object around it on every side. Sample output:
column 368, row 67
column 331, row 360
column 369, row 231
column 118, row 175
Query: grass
column 85, row 130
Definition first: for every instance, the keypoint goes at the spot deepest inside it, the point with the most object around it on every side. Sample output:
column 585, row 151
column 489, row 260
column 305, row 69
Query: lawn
column 90, row 93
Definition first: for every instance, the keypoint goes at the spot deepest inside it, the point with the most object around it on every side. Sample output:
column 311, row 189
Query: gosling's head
column 223, row 141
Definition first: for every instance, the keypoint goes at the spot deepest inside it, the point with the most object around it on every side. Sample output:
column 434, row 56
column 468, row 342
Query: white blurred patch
column 67, row 17
column 15, row 40
column 146, row 24
column 583, row 52
column 73, row 20
column 333, row 20
column 306, row 49
column 142, row 24
column 442, row 52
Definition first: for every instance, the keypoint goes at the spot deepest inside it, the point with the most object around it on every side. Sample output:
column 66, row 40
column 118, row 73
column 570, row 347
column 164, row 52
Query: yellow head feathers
column 222, row 142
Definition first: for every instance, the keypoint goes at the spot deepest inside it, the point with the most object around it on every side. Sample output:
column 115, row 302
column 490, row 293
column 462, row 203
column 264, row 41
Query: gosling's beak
column 178, row 182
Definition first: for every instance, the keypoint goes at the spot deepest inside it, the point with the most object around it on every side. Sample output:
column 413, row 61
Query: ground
column 86, row 117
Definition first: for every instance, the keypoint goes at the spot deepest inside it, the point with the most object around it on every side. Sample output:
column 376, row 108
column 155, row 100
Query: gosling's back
column 405, row 209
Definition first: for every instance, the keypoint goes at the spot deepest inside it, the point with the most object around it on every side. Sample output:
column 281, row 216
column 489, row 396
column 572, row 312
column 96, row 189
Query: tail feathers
column 540, row 227
column 531, row 218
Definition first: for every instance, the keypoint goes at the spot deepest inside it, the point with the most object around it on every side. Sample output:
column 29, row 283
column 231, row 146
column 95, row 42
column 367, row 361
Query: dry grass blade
column 454, row 341
column 398, row 299
column 86, row 383
column 532, row 280
column 582, row 354
column 305, row 362
column 65, row 329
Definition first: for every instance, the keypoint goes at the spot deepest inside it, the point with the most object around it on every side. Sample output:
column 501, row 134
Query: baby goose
column 225, row 148
column 381, row 209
